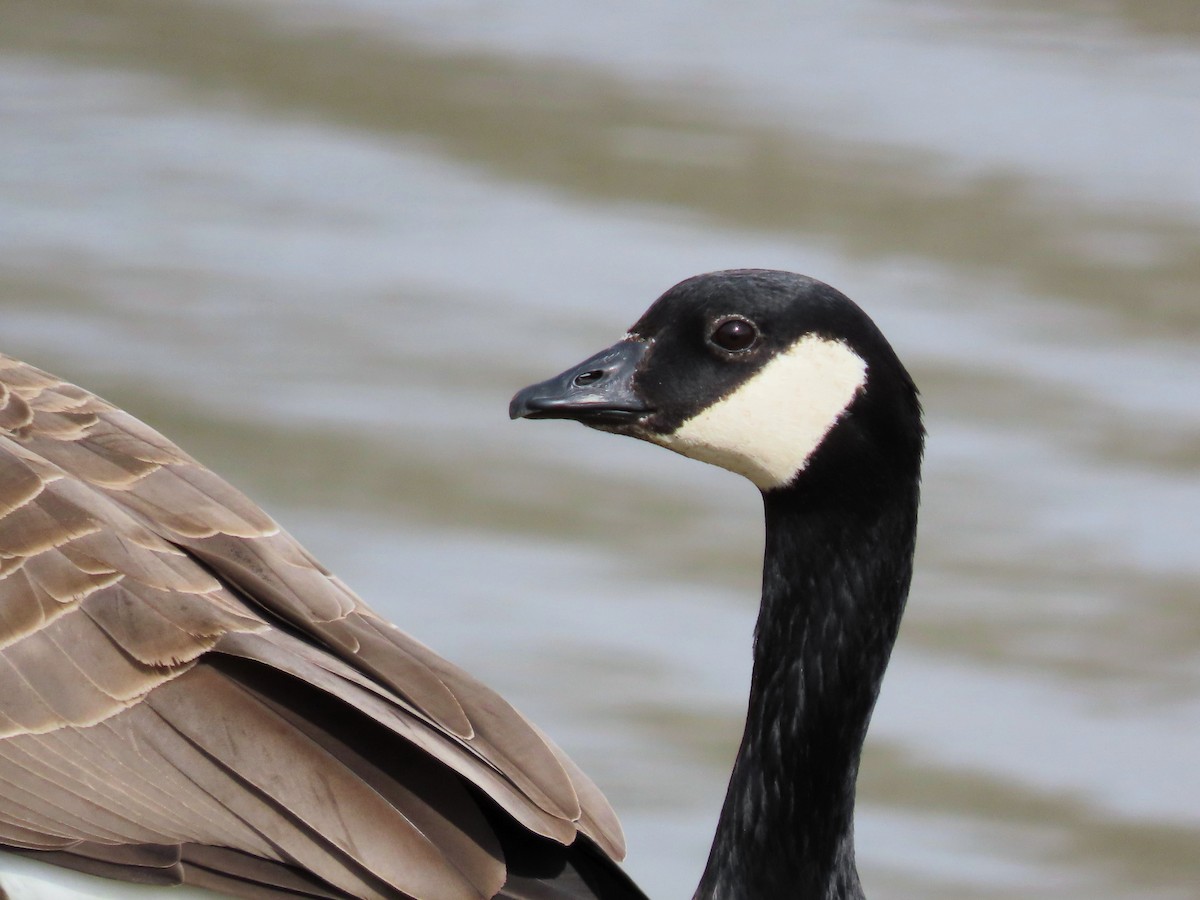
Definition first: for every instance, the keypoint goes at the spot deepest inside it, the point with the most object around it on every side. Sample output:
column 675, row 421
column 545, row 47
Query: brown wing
column 189, row 695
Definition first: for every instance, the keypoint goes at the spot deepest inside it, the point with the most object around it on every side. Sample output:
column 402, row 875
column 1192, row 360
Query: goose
column 191, row 698
column 784, row 380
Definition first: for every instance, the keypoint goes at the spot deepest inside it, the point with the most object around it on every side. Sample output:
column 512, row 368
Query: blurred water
column 321, row 243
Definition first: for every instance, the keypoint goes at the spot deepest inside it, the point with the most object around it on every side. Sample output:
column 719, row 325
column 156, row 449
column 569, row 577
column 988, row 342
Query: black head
column 753, row 370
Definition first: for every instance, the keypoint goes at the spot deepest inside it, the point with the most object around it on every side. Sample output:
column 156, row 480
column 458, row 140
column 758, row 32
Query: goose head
column 752, row 370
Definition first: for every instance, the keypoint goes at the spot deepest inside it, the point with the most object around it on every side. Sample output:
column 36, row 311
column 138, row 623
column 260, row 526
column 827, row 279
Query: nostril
column 583, row 379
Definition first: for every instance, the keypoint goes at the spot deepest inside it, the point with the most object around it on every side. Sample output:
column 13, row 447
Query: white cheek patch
column 769, row 427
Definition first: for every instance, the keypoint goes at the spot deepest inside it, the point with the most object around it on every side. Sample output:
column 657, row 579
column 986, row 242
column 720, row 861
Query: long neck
column 835, row 577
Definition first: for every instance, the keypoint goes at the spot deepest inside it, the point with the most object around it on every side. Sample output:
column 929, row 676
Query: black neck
column 836, row 572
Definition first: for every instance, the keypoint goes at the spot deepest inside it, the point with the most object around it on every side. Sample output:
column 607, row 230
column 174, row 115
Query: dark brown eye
column 734, row 335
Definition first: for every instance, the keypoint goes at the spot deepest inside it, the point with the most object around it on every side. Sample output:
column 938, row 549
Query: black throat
column 836, row 572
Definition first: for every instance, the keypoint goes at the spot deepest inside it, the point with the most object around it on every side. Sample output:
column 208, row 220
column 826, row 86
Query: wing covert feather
column 156, row 631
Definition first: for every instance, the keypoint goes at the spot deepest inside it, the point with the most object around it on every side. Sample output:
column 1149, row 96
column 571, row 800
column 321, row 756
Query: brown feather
column 190, row 695
column 242, row 875
column 126, row 869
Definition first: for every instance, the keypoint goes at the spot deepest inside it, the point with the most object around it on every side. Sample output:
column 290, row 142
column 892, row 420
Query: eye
column 734, row 335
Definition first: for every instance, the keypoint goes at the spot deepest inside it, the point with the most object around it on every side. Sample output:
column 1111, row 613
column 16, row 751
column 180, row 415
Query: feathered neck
column 836, row 571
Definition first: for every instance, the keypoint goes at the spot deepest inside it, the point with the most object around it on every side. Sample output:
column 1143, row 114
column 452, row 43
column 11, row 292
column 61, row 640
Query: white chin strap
column 769, row 427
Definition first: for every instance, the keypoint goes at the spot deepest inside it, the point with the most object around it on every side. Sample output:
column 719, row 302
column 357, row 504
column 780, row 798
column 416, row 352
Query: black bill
column 598, row 391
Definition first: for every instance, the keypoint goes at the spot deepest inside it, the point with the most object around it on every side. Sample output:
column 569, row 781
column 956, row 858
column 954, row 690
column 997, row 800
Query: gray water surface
column 321, row 243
